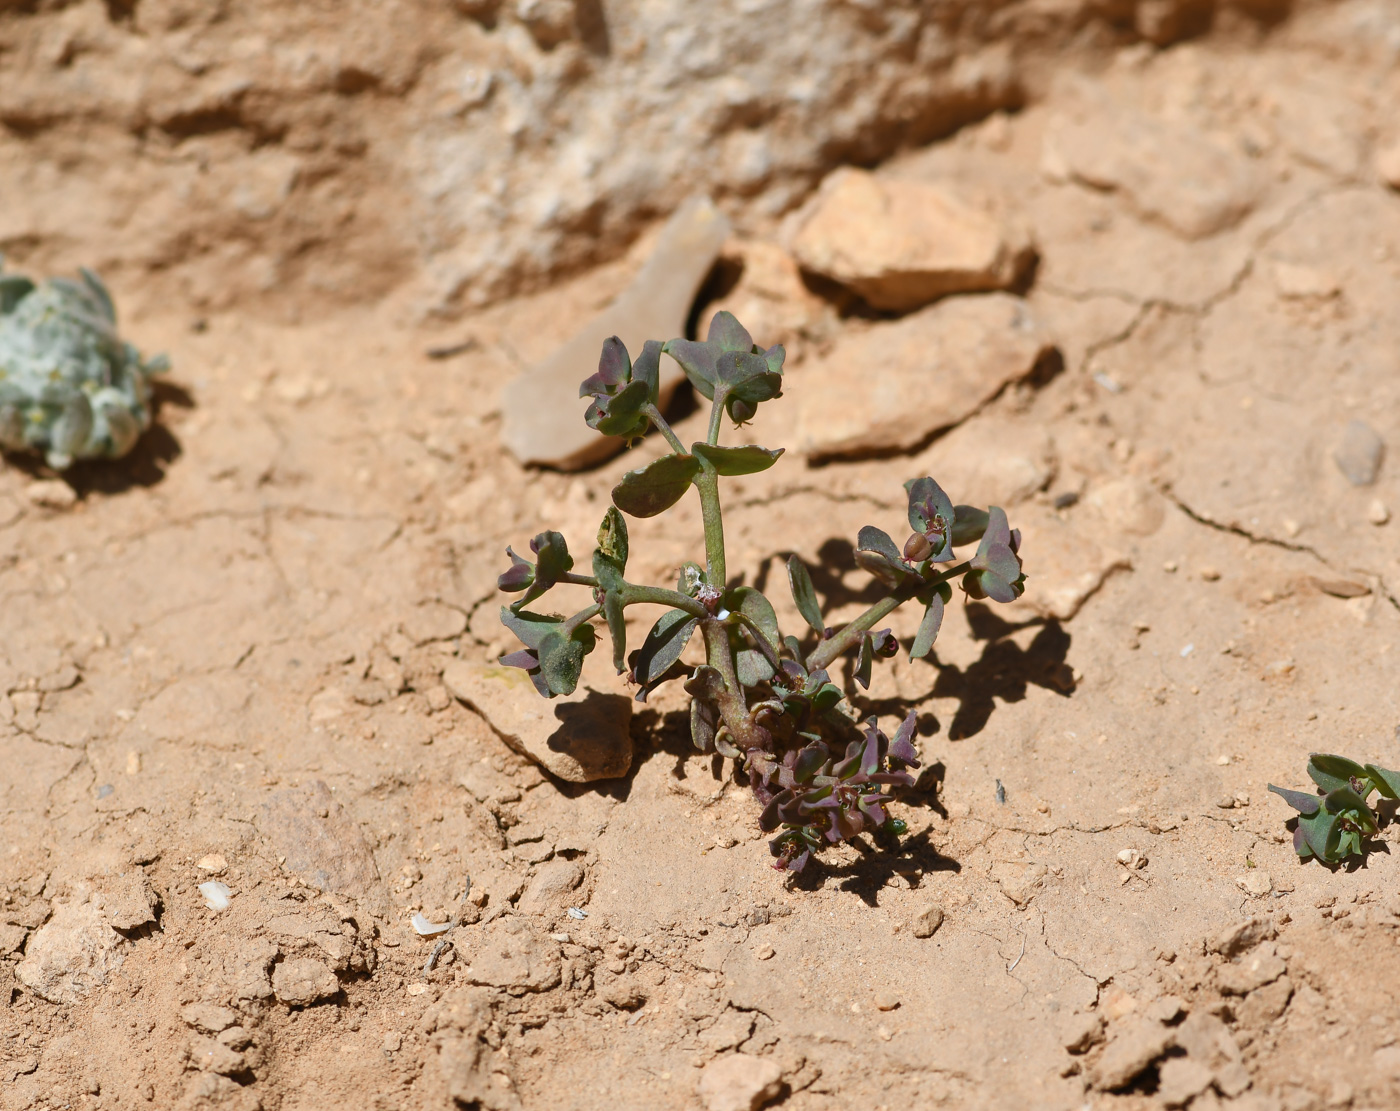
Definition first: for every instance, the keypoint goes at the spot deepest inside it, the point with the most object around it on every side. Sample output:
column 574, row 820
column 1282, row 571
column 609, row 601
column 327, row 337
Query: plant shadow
column 912, row 859
column 145, row 465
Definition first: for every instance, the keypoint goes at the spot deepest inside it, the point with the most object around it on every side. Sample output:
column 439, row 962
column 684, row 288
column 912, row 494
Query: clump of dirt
column 223, row 658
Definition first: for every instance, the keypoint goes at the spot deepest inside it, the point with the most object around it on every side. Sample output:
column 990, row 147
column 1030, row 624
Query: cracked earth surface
column 264, row 600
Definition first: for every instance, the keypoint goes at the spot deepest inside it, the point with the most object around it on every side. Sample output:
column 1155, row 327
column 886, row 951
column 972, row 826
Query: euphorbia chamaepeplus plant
column 1333, row 822
column 760, row 698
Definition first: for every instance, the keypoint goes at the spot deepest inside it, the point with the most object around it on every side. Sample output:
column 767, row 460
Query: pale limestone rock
column 891, row 388
column 578, row 738
column 740, row 1082
column 542, row 413
column 508, row 954
column 1166, row 173
column 71, row 955
column 928, row 920
column 304, row 981
column 901, row 244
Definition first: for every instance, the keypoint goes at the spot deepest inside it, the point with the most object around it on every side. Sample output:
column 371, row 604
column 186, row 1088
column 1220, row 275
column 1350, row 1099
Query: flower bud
column 917, row 548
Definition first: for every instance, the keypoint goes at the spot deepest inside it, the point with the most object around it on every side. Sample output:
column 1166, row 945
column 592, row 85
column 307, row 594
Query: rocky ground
column 1151, row 313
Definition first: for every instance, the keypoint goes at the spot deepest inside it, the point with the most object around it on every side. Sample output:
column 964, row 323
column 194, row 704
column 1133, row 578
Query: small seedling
column 69, row 386
column 761, row 698
column 1333, row 822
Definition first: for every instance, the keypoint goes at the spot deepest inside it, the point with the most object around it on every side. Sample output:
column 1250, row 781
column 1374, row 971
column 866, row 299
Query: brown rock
column 901, row 244
column 543, row 416
column 251, row 965
column 1251, row 971
column 550, row 887
column 1265, row 1004
column 1181, row 1080
column 1133, row 1045
column 71, row 955
column 209, row 1017
column 1242, row 937
column 466, row 1065
column 126, row 901
column 301, row 982
column 579, row 738
column 510, row 955
column 623, row 992
column 1168, row 174
column 322, row 846
column 11, row 938
column 1079, row 1033
column 920, row 375
column 208, row 1055
column 740, row 1082
column 1207, row 1040
column 927, row 921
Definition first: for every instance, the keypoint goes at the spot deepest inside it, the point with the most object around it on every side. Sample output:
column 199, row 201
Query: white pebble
column 429, row 929
column 216, row 895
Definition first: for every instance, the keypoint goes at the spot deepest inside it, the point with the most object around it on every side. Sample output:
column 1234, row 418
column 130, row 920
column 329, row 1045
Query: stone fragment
column 1129, row 505
column 1180, row 1080
column 740, row 1082
column 236, row 1037
column 1242, row 937
column 1256, row 883
column 1378, row 513
column 466, row 1066
column 11, row 938
column 510, row 955
column 1079, row 1033
column 303, row 981
column 1265, row 1004
column 917, row 376
column 320, row 844
column 250, row 967
column 71, row 955
column 1388, row 164
column 208, row 1055
column 623, row 992
column 208, row 1017
column 1133, row 1044
column 1386, row 1062
column 542, row 414
column 579, row 738
column 1359, row 453
column 1207, row 1040
column 901, row 244
column 1232, row 1078
column 51, row 493
column 1253, row 970
column 1166, row 1008
column 1298, row 282
column 927, row 921
column 125, row 900
column 886, row 1000
column 1168, row 174
column 550, row 887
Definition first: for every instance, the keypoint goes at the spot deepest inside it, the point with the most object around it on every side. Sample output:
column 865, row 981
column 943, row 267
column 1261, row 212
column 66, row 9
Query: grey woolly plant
column 761, row 698
column 70, row 387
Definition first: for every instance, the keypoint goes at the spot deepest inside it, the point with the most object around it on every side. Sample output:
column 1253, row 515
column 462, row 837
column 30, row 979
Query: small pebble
column 926, row 923
column 1210, row 574
column 1170, row 567
column 1377, row 512
column 765, row 952
column 51, row 493
column 886, row 1000
column 1359, row 454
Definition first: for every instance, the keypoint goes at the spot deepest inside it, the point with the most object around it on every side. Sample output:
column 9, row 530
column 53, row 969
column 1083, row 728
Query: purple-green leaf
column 731, row 461
column 656, row 487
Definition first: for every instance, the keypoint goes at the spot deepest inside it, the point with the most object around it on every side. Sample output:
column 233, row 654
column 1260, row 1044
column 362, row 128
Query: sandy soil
column 223, row 662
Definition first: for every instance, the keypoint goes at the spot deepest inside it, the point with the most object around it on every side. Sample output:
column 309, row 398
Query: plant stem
column 707, row 485
column 716, row 412
column 849, row 635
column 653, row 414
column 660, row 596
column 732, row 707
column 579, row 618
column 578, row 580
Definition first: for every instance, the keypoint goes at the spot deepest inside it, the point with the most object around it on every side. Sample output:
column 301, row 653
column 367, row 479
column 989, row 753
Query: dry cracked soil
column 222, row 660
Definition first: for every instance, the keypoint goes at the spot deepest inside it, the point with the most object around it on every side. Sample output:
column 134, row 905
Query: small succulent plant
column 1334, row 821
column 761, row 698
column 69, row 386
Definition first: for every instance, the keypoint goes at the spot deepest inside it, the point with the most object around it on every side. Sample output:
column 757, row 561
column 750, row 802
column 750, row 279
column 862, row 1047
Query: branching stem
column 653, row 414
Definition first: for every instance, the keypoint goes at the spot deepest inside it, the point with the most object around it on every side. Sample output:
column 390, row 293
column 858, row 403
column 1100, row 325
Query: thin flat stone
column 542, row 413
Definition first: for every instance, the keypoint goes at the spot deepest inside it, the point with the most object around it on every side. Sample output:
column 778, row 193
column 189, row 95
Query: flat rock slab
column 542, row 414
column 902, row 244
column 890, row 389
column 579, row 738
column 322, row 846
column 1166, row 173
column 71, row 955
